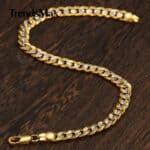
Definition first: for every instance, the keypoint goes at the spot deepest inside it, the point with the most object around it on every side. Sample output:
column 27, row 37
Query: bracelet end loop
column 135, row 18
column 131, row 17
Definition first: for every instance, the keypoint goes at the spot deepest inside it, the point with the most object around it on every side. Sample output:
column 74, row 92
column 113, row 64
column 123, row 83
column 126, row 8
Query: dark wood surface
column 35, row 97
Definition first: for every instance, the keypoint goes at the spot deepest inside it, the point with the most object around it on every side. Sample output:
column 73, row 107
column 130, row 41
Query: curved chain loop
column 48, row 58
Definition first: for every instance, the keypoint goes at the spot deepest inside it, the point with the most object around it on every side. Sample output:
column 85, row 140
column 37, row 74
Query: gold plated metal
column 26, row 139
column 48, row 58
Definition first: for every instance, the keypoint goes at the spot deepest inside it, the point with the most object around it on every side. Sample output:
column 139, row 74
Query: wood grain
column 36, row 97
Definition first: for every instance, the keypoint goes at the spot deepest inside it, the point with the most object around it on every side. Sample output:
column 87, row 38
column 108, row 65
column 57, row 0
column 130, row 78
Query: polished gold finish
column 48, row 58
column 26, row 139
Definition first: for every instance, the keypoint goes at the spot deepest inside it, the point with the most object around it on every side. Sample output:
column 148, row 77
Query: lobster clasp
column 13, row 140
column 25, row 139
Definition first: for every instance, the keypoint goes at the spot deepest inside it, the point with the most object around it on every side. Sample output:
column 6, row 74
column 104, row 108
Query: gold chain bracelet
column 124, row 85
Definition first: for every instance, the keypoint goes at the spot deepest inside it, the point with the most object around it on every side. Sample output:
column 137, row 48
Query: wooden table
column 36, row 97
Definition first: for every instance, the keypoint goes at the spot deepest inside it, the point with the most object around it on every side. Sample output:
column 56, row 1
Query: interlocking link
column 48, row 58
